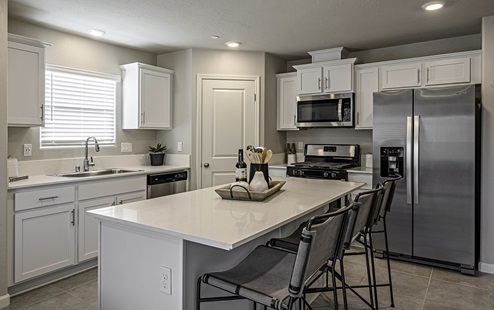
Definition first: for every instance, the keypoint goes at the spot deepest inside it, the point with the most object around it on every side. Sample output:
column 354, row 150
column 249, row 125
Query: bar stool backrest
column 389, row 187
column 369, row 200
column 319, row 243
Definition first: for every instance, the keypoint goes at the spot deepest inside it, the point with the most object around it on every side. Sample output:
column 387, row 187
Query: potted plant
column 157, row 154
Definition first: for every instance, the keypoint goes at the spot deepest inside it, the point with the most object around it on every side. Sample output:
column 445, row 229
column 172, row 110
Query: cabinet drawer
column 43, row 198
column 113, row 187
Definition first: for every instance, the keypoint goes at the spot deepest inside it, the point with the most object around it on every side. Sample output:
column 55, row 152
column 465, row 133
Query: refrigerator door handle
column 416, row 148
column 408, row 163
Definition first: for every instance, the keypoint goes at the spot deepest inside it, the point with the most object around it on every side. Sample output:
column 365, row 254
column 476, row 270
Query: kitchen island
column 152, row 252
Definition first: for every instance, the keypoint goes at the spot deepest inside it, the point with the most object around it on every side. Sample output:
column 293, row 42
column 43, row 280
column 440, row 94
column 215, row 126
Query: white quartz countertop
column 367, row 170
column 202, row 216
column 41, row 180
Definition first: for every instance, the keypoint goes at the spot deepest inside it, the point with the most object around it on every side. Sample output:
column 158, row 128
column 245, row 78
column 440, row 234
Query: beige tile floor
column 416, row 287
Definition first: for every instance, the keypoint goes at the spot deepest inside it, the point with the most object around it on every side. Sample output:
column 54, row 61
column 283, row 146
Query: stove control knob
column 326, row 174
column 333, row 175
column 300, row 172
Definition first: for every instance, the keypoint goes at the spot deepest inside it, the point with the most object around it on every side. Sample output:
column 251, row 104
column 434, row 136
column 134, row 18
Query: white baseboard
column 4, row 301
column 487, row 268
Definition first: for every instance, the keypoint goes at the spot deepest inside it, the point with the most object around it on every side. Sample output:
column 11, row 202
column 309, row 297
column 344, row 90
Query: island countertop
column 203, row 217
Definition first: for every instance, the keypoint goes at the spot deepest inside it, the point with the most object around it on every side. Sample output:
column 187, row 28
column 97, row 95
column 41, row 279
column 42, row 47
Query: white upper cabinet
column 430, row 71
column 338, row 78
column 401, row 76
column 147, row 97
column 448, row 71
column 334, row 76
column 25, row 81
column 438, row 70
column 287, row 101
column 367, row 82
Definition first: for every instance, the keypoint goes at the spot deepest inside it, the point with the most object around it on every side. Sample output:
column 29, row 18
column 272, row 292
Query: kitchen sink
column 95, row 173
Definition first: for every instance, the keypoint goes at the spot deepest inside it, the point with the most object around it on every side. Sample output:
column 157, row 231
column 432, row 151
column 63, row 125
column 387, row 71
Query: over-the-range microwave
column 328, row 110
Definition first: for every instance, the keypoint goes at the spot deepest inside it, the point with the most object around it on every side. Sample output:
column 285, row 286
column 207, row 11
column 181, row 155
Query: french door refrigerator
column 432, row 138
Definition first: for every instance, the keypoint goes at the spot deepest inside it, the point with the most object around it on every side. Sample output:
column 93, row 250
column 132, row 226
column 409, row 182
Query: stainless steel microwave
column 329, row 110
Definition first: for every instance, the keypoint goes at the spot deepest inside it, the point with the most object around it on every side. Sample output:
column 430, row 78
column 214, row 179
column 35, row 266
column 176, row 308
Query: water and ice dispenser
column 392, row 161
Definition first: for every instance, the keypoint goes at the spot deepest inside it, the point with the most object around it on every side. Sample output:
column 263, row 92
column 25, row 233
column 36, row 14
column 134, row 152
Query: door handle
column 408, row 163
column 206, row 165
column 416, row 149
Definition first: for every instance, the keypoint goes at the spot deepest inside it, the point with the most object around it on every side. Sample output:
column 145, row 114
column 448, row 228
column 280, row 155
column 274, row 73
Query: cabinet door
column 448, row 71
column 131, row 197
column 43, row 240
column 338, row 78
column 401, row 76
column 367, row 82
column 88, row 227
column 287, row 102
column 309, row 81
column 155, row 99
column 26, row 85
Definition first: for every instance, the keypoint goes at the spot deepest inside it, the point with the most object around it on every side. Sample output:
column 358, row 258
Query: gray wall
column 3, row 149
column 81, row 53
column 188, row 64
column 487, row 211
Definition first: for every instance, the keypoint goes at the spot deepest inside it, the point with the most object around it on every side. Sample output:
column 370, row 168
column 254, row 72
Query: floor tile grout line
column 427, row 289
column 42, row 299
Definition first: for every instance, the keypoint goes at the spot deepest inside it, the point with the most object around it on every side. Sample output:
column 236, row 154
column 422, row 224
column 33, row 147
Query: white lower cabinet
column 44, row 240
column 51, row 226
column 102, row 194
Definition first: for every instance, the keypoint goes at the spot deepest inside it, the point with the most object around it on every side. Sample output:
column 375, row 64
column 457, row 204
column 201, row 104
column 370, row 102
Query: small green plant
column 158, row 149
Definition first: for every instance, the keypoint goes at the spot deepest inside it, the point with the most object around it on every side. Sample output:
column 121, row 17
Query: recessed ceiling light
column 232, row 44
column 214, row 37
column 434, row 5
column 96, row 32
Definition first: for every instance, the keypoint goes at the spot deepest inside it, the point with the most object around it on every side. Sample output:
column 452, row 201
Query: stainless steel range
column 326, row 161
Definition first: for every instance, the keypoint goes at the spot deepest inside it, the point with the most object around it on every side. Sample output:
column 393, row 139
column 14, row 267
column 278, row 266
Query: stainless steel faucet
column 88, row 164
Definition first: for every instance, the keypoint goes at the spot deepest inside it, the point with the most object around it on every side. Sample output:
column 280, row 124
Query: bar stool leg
column 369, row 281
column 373, row 269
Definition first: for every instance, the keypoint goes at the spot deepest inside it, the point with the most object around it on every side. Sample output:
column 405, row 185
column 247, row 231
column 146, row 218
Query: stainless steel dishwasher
column 163, row 184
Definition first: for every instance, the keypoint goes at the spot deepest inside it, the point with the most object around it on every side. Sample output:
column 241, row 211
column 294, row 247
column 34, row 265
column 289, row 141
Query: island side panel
column 129, row 269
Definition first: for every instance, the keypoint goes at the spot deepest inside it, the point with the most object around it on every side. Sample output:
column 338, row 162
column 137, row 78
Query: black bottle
column 241, row 167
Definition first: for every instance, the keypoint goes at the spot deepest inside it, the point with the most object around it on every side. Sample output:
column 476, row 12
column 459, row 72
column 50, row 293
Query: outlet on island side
column 165, row 280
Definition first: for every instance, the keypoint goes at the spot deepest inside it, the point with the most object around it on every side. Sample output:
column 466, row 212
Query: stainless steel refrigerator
column 432, row 138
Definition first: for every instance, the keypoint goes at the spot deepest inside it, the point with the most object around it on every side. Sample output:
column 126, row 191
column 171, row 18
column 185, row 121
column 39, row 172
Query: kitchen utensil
column 268, row 156
column 250, row 148
column 250, row 156
column 263, row 155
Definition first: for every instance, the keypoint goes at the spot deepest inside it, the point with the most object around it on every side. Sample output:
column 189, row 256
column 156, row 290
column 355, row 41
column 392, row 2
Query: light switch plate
column 180, row 146
column 300, row 145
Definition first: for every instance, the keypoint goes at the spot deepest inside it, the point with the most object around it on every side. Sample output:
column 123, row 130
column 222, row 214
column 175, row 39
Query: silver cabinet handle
column 294, row 120
column 48, row 198
column 428, row 75
column 408, row 160
column 143, row 118
column 418, row 75
column 319, row 83
column 327, row 83
column 416, row 152
column 206, row 165
column 113, row 203
column 72, row 217
column 358, row 118
column 42, row 112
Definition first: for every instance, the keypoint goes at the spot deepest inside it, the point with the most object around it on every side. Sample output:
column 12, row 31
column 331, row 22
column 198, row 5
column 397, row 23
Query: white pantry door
column 230, row 121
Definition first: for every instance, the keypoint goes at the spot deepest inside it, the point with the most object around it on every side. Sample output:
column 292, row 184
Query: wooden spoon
column 250, row 156
column 268, row 156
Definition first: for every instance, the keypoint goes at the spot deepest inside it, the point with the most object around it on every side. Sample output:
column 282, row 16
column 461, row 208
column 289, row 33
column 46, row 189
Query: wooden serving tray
column 241, row 193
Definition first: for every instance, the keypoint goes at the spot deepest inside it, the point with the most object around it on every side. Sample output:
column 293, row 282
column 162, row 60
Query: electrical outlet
column 125, row 147
column 28, row 149
column 165, row 280
column 300, row 145
column 180, row 146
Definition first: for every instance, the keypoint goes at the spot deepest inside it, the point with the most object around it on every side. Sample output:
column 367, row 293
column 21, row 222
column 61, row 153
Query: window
column 78, row 104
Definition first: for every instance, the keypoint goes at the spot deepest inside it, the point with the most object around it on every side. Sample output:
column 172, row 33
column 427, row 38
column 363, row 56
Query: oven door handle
column 340, row 108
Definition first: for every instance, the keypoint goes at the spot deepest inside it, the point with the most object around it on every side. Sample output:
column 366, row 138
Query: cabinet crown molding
column 25, row 40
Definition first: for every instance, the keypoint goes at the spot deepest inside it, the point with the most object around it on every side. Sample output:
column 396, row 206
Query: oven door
column 334, row 110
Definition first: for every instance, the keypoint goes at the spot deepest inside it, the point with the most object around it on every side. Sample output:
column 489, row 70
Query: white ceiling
column 288, row 28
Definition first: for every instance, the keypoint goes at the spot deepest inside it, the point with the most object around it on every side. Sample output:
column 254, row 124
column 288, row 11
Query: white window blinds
column 78, row 104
